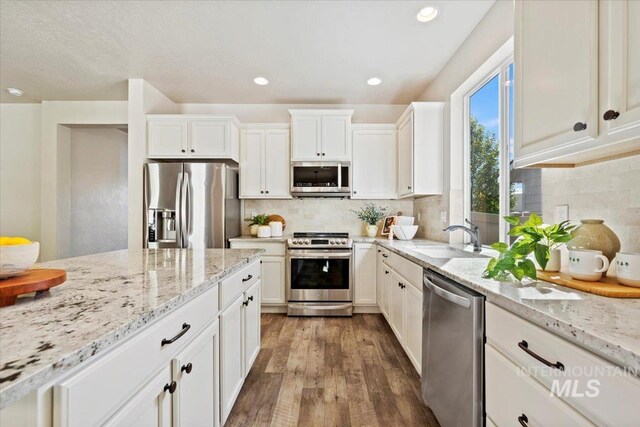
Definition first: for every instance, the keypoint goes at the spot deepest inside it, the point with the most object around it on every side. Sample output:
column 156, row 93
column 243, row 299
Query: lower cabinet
column 396, row 305
column 273, row 269
column 251, row 319
column 383, row 277
column 364, row 258
column 413, row 324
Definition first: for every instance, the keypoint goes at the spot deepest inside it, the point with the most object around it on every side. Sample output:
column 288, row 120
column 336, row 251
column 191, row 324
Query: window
column 494, row 189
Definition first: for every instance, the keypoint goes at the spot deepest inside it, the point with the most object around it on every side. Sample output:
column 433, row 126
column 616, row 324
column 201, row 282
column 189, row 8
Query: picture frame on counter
column 387, row 223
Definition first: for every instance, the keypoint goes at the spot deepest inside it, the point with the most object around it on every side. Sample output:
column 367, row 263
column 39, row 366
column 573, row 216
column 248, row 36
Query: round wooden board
column 38, row 279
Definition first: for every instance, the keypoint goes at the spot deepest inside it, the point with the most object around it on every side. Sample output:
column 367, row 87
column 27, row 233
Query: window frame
column 502, row 70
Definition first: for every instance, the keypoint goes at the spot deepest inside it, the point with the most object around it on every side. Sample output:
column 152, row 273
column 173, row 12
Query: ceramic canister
column 628, row 268
column 593, row 234
column 276, row 228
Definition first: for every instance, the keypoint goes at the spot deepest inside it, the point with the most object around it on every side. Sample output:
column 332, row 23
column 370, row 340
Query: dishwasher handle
column 449, row 296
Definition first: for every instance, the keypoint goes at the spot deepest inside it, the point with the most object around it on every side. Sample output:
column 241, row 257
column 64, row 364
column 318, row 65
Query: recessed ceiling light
column 427, row 14
column 14, row 91
column 261, row 81
column 374, row 81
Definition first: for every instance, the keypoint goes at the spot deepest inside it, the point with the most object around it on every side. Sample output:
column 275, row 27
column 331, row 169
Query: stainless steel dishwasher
column 452, row 351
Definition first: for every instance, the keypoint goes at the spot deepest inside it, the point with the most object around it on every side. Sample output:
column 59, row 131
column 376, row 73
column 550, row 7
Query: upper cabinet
column 179, row 136
column 323, row 135
column 264, row 162
column 374, row 162
column 420, row 150
column 577, row 81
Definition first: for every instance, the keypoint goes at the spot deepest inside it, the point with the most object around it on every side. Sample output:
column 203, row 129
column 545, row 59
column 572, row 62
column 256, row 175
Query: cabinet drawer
column 510, row 394
column 407, row 269
column 598, row 384
column 238, row 282
column 92, row 394
column 270, row 248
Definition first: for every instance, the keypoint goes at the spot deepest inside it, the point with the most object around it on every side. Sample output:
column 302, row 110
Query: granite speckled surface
column 609, row 327
column 105, row 299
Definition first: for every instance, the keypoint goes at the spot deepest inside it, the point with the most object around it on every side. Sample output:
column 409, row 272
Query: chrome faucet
column 474, row 232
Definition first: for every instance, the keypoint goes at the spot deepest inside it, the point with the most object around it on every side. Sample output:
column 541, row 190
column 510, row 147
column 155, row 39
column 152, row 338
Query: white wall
column 20, row 170
column 278, row 113
column 55, row 140
column 143, row 99
column 98, row 190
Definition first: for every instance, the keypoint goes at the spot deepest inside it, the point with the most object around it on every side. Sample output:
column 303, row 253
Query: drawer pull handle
column 579, row 127
column 245, row 302
column 386, row 272
column 523, row 420
column 187, row 368
column 249, row 277
column 171, row 387
column 525, row 347
column 250, row 298
column 185, row 328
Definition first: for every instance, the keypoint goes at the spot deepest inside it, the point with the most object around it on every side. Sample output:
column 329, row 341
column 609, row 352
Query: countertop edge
column 593, row 343
column 97, row 347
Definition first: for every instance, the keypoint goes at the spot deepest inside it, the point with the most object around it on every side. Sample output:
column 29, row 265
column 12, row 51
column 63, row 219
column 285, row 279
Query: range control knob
column 295, row 241
column 343, row 241
column 307, row 242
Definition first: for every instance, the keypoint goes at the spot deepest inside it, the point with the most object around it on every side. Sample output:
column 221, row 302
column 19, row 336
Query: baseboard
column 273, row 309
column 366, row 309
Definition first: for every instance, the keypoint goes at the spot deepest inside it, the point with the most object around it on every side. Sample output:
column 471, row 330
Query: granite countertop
column 282, row 238
column 106, row 298
column 609, row 327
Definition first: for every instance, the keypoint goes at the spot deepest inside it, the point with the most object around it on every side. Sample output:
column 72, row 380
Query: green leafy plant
column 370, row 213
column 533, row 237
column 261, row 219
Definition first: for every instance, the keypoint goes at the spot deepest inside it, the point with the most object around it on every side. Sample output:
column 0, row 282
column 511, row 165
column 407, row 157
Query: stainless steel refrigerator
column 190, row 205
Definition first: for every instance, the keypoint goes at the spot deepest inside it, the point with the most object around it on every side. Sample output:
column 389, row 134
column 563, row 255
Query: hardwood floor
column 327, row 371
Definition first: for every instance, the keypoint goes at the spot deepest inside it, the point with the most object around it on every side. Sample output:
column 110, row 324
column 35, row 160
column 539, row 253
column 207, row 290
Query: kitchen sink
column 446, row 252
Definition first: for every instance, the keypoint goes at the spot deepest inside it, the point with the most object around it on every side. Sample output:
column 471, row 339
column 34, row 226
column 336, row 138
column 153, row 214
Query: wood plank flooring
column 325, row 371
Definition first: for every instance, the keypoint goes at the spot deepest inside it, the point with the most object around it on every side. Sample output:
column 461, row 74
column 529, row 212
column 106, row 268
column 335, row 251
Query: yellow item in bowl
column 14, row 241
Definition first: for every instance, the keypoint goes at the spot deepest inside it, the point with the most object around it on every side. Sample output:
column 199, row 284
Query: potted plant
column 534, row 237
column 256, row 222
column 371, row 214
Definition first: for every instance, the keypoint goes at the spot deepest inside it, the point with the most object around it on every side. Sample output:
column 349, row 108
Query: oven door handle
column 320, row 255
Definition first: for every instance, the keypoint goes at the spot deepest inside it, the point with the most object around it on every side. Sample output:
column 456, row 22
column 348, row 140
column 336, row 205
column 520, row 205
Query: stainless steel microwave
column 320, row 179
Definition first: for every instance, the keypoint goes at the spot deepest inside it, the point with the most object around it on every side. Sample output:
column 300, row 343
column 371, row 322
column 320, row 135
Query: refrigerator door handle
column 179, row 218
column 186, row 221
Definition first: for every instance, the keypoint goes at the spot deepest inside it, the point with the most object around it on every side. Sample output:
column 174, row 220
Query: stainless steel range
column 319, row 274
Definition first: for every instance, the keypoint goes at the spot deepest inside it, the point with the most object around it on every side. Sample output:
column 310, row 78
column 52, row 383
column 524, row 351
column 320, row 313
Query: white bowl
column 15, row 259
column 405, row 232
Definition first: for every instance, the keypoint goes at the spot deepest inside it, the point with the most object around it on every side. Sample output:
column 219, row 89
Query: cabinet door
column 277, row 165
column 620, row 64
column 196, row 371
column 374, row 164
column 336, row 138
column 251, row 163
column 396, row 305
column 251, row 325
column 209, row 138
column 167, row 138
column 365, row 273
column 405, row 156
column 380, row 277
column 386, row 290
column 150, row 407
column 273, row 280
column 231, row 355
column 556, row 77
column 305, row 137
column 413, row 325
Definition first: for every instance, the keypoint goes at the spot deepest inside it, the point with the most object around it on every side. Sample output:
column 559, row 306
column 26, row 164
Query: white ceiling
column 206, row 51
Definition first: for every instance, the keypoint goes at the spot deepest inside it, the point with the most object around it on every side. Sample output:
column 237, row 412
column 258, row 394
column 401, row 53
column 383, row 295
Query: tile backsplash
column 321, row 214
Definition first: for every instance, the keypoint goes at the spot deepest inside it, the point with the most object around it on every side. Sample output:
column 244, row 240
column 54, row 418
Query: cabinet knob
column 193, row 151
column 323, row 154
column 408, row 187
column 579, row 126
column 318, row 154
column 171, row 387
column 245, row 303
column 355, row 192
column 187, row 368
column 523, row 420
column 267, row 191
column 183, row 150
column 610, row 115
column 261, row 192
column 386, row 272
column 250, row 298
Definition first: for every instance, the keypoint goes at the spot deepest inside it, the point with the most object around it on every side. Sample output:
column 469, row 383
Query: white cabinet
column 383, row 277
column 273, row 280
column 196, row 372
column 413, row 325
column 365, row 273
column 251, row 318
column 264, row 163
column 420, row 150
column 374, row 162
column 179, row 136
column 150, row 407
column 231, row 356
column 321, row 135
column 577, row 81
column 396, row 305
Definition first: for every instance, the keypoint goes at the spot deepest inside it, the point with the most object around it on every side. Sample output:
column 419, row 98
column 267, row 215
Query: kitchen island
column 109, row 301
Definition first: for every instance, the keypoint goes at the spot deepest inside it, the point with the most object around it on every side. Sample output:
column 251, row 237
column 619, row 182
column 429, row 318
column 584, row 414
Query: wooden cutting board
column 38, row 279
column 606, row 287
